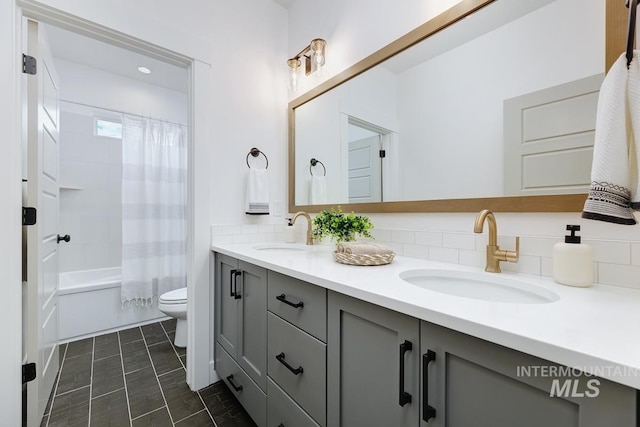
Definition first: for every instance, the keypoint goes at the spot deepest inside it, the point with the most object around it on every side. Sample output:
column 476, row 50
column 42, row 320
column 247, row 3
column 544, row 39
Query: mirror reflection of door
column 366, row 154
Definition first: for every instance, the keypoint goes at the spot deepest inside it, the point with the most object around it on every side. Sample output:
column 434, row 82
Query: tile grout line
column 124, row 377
column 93, row 352
column 146, row 347
column 55, row 388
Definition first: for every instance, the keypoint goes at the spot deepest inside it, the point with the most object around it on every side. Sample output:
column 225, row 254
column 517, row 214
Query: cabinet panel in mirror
column 501, row 103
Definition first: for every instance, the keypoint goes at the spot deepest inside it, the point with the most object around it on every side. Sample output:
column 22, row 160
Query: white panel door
column 42, row 245
column 365, row 182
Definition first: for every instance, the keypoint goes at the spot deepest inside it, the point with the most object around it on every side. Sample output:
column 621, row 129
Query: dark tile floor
column 135, row 377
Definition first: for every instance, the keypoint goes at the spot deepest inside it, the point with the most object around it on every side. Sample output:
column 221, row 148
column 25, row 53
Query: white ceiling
column 87, row 51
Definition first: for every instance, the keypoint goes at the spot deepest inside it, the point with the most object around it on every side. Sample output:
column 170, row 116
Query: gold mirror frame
column 615, row 38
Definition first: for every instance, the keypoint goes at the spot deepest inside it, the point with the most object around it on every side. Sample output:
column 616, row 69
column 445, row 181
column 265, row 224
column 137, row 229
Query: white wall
column 354, row 30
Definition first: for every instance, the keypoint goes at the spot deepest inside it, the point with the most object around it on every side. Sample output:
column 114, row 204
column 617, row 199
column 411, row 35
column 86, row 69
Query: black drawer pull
column 404, row 397
column 295, row 371
column 283, row 298
column 428, row 412
column 233, row 284
column 236, row 387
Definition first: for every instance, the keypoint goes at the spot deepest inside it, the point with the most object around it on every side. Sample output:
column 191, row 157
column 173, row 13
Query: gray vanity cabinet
column 241, row 331
column 372, row 365
column 471, row 382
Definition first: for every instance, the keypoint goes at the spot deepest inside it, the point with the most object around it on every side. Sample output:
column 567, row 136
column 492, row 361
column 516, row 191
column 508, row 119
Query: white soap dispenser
column 289, row 232
column 573, row 261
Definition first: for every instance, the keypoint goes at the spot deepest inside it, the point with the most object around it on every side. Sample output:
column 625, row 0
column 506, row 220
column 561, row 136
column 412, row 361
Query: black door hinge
column 29, row 64
column 383, row 154
column 28, row 372
column 29, row 216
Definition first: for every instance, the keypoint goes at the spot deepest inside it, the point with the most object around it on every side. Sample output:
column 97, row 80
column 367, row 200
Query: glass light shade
column 294, row 65
column 318, row 55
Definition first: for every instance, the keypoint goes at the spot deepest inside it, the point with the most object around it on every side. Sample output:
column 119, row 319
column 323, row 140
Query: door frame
column 152, row 38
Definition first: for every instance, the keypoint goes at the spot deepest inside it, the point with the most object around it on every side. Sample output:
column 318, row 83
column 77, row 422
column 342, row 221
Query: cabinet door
column 473, row 382
column 226, row 306
column 372, row 365
column 251, row 295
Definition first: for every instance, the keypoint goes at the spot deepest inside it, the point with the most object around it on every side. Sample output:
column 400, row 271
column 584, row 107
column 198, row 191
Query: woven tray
column 365, row 260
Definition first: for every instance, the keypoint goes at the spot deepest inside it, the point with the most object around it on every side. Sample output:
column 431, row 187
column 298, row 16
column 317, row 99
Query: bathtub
column 89, row 303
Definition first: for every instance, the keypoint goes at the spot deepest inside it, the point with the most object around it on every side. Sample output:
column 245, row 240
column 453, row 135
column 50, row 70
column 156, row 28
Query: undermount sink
column 280, row 247
column 481, row 286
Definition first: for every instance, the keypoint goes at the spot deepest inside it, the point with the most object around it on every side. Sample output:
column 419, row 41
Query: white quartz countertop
column 594, row 329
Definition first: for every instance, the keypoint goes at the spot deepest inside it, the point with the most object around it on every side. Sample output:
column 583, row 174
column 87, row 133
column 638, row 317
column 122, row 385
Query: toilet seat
column 177, row 296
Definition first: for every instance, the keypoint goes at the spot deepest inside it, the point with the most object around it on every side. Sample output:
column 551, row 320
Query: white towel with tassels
column 257, row 200
column 614, row 172
column 318, row 190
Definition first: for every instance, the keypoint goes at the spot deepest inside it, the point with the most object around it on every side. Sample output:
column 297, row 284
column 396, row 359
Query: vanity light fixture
column 315, row 56
column 144, row 70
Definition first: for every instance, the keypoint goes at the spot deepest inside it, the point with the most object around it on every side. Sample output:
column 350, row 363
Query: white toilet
column 174, row 304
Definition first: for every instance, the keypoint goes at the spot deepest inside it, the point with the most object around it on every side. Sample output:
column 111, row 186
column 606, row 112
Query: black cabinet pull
column 428, row 412
column 404, row 396
column 65, row 238
column 295, row 371
column 283, row 298
column 233, row 284
column 236, row 387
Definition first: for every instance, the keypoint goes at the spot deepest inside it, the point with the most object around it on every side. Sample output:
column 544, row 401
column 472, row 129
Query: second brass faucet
column 309, row 224
column 494, row 253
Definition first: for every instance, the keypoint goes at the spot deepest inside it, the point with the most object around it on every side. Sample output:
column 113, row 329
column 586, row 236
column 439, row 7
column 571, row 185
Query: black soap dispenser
column 573, row 260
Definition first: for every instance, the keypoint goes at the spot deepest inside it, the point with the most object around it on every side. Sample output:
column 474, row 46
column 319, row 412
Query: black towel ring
column 631, row 29
column 315, row 162
column 255, row 153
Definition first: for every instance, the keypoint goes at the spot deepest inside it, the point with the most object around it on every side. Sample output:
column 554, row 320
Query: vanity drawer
column 283, row 411
column 242, row 387
column 312, row 316
column 305, row 377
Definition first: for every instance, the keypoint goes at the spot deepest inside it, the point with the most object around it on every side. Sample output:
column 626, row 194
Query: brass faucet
column 309, row 223
column 494, row 253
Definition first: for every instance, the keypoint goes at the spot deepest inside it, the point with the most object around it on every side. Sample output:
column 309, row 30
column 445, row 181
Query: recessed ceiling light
column 144, row 70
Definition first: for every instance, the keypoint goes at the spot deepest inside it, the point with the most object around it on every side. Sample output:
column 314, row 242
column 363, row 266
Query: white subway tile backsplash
column 428, row 238
column 617, row 262
column 635, row 253
column 458, row 241
column 443, row 254
column 403, row 236
column 611, row 252
column 381, row 234
column 472, row 258
column 415, row 251
column 627, row 276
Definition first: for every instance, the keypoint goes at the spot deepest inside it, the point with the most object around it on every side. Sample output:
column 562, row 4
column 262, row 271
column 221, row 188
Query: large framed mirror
column 489, row 105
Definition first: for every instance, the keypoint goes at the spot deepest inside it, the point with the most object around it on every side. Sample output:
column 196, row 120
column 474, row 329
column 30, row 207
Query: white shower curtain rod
column 121, row 112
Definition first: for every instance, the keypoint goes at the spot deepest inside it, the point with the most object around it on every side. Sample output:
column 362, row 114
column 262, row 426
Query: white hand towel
column 257, row 200
column 317, row 190
column 612, row 169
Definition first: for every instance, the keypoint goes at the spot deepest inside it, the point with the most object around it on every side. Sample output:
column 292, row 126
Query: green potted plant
column 339, row 226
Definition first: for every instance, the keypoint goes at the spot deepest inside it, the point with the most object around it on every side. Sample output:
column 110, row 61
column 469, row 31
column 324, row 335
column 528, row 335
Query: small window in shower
column 108, row 128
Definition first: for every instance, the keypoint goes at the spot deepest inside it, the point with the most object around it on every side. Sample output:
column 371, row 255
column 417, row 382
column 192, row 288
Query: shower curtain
column 154, row 208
